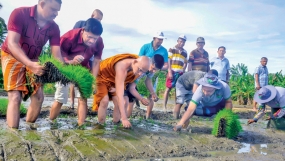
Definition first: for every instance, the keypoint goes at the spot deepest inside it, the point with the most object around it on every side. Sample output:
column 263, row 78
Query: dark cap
column 200, row 39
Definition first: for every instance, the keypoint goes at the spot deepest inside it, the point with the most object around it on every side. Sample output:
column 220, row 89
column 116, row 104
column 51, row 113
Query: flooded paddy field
column 151, row 139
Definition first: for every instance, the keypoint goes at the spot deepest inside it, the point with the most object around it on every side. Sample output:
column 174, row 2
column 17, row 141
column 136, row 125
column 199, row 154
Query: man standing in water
column 260, row 77
column 29, row 28
column 177, row 66
column 77, row 47
column 150, row 50
column 93, row 62
column 116, row 72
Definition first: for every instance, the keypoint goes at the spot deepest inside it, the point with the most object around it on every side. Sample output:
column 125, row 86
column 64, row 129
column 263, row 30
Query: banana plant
column 241, row 84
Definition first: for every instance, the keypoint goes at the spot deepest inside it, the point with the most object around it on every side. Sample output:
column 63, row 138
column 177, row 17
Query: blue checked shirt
column 262, row 72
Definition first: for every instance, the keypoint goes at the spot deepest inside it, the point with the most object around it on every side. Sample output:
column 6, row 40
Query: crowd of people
column 204, row 86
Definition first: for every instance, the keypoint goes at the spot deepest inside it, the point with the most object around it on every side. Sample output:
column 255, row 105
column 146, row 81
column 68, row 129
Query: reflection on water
column 43, row 124
column 255, row 148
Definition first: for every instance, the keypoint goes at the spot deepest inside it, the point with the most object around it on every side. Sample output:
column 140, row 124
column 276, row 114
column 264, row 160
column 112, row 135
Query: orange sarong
column 106, row 77
column 15, row 76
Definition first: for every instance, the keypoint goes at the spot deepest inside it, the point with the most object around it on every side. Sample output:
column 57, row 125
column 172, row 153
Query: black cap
column 158, row 61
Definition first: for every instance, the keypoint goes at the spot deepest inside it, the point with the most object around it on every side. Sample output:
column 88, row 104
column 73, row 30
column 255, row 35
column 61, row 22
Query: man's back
column 79, row 24
column 188, row 79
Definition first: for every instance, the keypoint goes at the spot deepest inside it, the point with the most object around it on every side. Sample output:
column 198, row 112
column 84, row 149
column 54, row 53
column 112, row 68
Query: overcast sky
column 248, row 29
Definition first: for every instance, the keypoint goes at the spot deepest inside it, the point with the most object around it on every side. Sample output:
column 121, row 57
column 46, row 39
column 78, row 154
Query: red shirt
column 71, row 44
column 23, row 21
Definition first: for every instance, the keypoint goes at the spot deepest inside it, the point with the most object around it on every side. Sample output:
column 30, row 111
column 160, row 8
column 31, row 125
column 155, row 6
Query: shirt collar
column 262, row 66
column 221, row 59
column 152, row 46
column 34, row 15
column 200, row 52
column 33, row 11
column 182, row 49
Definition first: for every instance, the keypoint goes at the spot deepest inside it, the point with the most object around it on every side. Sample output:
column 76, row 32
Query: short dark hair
column 222, row 47
column 213, row 71
column 58, row 1
column 158, row 61
column 94, row 26
column 263, row 58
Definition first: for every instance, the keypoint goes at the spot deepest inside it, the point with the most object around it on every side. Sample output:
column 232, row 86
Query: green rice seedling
column 63, row 116
column 226, row 124
column 140, row 119
column 151, row 121
column 56, row 71
column 82, row 127
column 115, row 127
column 4, row 105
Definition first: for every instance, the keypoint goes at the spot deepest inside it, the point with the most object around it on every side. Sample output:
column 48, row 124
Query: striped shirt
column 178, row 58
column 262, row 72
column 200, row 61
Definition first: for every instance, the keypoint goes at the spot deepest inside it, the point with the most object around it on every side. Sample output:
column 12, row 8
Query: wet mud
column 151, row 139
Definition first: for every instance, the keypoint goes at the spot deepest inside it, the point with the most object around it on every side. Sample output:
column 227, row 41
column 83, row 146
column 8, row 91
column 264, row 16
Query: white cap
column 159, row 34
column 182, row 37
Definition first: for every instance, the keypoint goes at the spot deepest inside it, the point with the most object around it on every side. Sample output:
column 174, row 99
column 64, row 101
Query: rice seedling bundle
column 226, row 124
column 56, row 71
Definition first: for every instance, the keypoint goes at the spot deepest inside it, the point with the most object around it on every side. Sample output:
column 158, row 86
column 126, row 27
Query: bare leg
column 165, row 97
column 149, row 108
column 55, row 110
column 130, row 109
column 254, row 105
column 102, row 111
column 35, row 106
column 72, row 94
column 13, row 109
column 82, row 110
column 116, row 112
column 176, row 111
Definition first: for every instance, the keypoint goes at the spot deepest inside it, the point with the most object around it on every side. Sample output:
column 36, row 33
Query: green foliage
column 75, row 73
column 49, row 88
column 3, row 30
column 4, row 105
column 277, row 79
column 233, row 126
column 241, row 84
column 160, row 85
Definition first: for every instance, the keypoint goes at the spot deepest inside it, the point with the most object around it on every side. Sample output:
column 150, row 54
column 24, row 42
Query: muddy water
column 147, row 140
